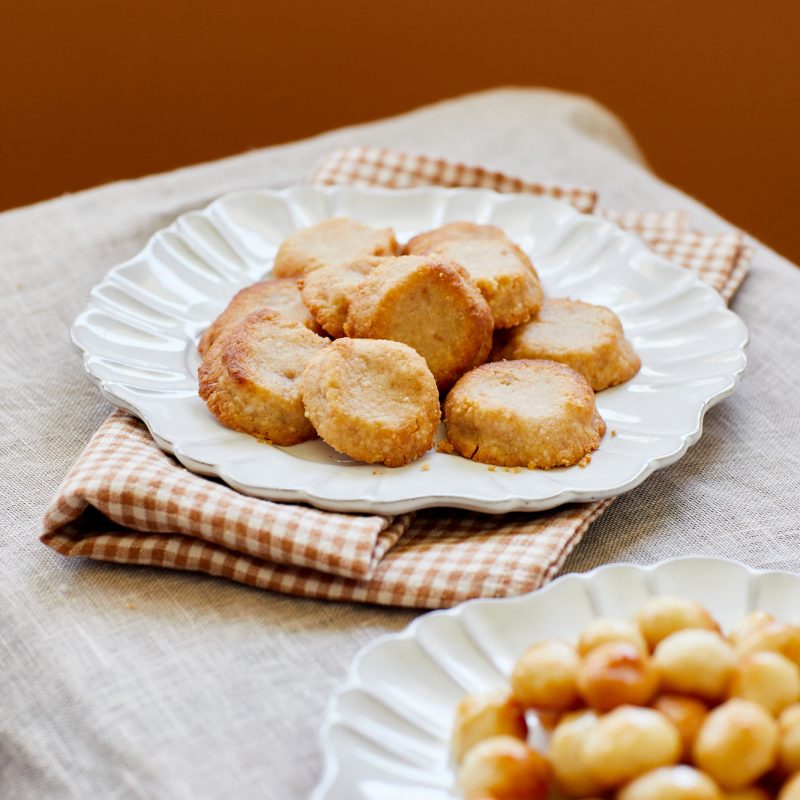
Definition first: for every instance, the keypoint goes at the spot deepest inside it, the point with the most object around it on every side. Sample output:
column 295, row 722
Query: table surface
column 125, row 682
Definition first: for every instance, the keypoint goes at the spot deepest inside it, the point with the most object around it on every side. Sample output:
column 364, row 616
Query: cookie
column 278, row 294
column 374, row 400
column 536, row 414
column 429, row 305
column 588, row 338
column 338, row 240
column 502, row 272
column 249, row 377
column 326, row 292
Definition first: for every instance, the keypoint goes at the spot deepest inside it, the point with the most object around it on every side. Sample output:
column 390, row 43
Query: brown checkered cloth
column 126, row 501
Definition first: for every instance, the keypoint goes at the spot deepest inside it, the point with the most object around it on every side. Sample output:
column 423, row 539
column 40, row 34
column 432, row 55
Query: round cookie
column 536, row 414
column 326, row 292
column 430, row 306
column 502, row 272
column 583, row 336
column 249, row 378
column 333, row 241
column 374, row 400
column 277, row 294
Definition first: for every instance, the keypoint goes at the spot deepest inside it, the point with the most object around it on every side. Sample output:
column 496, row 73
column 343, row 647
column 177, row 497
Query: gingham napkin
column 126, row 501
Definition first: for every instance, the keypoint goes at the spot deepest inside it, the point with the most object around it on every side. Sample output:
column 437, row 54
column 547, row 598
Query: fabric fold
column 124, row 478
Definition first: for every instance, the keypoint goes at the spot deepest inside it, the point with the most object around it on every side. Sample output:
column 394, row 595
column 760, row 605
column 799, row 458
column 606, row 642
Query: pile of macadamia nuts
column 663, row 707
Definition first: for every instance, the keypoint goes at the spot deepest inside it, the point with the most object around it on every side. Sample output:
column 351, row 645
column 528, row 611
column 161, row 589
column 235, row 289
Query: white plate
column 139, row 334
column 385, row 733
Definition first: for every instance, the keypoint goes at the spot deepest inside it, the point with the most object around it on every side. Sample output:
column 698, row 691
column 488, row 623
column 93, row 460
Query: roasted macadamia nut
column 481, row 716
column 603, row 630
column 791, row 789
column 776, row 637
column 737, row 743
column 696, row 662
column 747, row 624
column 661, row 616
column 685, row 713
column 671, row 783
column 503, row 768
column 628, row 742
column 766, row 678
column 566, row 755
column 789, row 753
column 545, row 676
column 616, row 674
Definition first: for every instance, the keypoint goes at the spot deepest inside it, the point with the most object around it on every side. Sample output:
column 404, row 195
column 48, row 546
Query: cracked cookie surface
column 535, row 414
column 326, row 292
column 429, row 305
column 277, row 294
column 337, row 240
column 589, row 338
column 249, row 378
column 497, row 266
column 374, row 400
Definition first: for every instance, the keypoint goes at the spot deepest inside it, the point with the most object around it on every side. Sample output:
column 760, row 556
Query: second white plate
column 139, row 332
column 386, row 731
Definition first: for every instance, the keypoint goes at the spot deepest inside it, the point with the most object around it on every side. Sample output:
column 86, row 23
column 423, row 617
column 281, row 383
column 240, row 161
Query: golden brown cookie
column 338, row 240
column 249, row 378
column 326, row 292
column 536, row 414
column 429, row 305
column 586, row 337
column 374, row 400
column 278, row 294
column 502, row 272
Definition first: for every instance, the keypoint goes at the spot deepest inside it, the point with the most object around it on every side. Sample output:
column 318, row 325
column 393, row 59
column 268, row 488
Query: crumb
column 376, row 472
column 129, row 604
column 426, row 468
column 585, row 461
column 613, row 433
column 492, row 469
column 20, row 286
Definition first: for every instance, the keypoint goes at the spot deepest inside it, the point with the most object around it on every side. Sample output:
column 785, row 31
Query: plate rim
column 349, row 681
column 510, row 501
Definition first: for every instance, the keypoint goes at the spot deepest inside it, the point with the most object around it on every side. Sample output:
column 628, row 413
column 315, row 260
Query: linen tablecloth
column 123, row 682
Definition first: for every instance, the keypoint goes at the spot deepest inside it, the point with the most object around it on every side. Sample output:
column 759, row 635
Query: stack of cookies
column 355, row 339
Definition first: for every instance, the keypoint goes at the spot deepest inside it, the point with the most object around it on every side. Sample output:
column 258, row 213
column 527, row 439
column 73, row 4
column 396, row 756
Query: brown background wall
column 94, row 91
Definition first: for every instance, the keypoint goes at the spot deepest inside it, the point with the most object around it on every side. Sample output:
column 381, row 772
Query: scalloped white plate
column 386, row 730
column 140, row 329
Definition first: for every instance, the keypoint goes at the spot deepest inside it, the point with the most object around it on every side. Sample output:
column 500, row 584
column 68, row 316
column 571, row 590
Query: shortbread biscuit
column 326, row 292
column 338, row 240
column 502, row 272
column 536, row 414
column 588, row 338
column 427, row 304
column 278, row 294
column 250, row 377
column 374, row 400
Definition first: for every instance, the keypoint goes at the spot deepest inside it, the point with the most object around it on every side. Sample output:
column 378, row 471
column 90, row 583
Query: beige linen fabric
column 129, row 682
column 432, row 559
